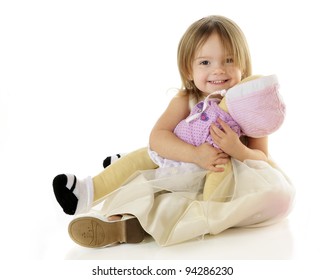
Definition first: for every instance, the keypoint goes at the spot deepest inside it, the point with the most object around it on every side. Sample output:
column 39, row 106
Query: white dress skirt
column 168, row 201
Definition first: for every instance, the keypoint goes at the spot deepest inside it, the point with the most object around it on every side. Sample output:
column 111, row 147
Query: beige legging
column 118, row 172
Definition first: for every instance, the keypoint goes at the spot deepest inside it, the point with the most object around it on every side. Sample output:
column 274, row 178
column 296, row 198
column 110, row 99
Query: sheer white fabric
column 170, row 207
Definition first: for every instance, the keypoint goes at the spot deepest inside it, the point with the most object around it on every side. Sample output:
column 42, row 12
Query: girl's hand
column 226, row 139
column 209, row 157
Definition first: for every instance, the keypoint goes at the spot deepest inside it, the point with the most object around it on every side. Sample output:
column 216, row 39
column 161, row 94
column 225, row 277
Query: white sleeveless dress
column 170, row 207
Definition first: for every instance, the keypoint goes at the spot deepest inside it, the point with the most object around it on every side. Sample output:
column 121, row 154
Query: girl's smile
column 218, row 82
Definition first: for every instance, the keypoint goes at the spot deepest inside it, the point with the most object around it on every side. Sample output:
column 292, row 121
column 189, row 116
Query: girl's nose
column 219, row 69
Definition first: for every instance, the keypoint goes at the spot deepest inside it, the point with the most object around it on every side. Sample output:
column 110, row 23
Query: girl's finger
column 216, row 131
column 225, row 126
column 216, row 168
column 222, row 161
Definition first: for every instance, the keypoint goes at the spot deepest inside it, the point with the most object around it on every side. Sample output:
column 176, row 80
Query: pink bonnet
column 257, row 106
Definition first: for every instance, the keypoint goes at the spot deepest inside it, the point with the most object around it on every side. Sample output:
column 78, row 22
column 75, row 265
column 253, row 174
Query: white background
column 80, row 80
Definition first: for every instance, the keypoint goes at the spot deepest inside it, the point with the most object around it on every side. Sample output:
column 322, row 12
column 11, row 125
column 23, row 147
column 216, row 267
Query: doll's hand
column 226, row 138
column 209, row 157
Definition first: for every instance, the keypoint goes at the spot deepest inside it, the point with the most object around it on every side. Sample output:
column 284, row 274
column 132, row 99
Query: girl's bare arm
column 168, row 145
column 163, row 140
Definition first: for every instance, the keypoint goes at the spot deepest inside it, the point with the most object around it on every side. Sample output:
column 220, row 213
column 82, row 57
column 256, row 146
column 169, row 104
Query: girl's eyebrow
column 203, row 57
column 211, row 57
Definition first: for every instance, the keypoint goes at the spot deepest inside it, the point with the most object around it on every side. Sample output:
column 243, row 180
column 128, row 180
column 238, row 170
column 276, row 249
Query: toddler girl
column 212, row 55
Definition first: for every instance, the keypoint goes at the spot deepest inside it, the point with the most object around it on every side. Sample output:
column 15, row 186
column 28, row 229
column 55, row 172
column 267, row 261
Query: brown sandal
column 97, row 232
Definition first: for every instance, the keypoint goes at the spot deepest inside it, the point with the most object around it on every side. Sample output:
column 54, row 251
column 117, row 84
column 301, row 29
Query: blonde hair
column 197, row 34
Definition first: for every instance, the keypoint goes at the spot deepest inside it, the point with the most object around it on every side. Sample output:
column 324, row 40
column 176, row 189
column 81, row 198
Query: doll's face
column 213, row 69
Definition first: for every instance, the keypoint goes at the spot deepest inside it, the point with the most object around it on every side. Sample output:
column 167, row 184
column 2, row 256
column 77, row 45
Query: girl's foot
column 75, row 196
column 97, row 232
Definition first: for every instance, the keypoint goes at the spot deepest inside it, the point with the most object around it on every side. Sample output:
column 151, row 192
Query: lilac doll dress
column 195, row 129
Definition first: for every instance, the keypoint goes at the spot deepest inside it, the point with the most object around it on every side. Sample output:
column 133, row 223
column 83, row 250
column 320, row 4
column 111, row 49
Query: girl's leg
column 78, row 196
column 118, row 172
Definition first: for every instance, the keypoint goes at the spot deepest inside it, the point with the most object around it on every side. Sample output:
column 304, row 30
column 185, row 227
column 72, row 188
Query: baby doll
column 252, row 108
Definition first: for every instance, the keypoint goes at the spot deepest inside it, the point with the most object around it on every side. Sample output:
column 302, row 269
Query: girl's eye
column 205, row 62
column 229, row 60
